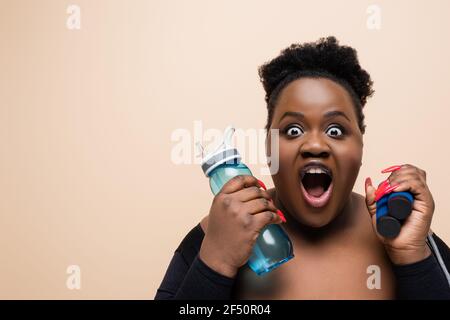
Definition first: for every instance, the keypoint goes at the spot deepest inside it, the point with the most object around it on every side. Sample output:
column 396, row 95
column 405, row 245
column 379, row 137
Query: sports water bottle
column 273, row 247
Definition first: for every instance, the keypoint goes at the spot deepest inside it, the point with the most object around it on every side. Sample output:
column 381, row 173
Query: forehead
column 314, row 97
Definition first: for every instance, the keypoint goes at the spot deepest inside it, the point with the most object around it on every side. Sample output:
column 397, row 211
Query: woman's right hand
column 238, row 214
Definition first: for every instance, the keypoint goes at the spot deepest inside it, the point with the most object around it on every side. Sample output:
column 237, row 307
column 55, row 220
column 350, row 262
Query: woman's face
column 317, row 123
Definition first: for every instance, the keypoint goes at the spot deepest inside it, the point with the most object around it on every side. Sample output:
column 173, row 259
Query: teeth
column 315, row 170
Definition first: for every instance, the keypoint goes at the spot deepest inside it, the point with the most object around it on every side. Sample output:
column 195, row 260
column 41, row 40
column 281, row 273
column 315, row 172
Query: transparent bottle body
column 273, row 247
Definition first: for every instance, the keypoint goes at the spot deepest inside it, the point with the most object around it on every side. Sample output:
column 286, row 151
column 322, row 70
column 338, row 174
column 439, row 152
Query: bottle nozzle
column 224, row 153
column 226, row 143
column 200, row 149
column 228, row 135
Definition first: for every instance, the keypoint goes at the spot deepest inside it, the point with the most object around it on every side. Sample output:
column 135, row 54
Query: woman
column 315, row 93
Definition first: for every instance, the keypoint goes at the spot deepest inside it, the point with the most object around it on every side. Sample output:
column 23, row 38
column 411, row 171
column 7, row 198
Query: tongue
column 316, row 191
column 314, row 184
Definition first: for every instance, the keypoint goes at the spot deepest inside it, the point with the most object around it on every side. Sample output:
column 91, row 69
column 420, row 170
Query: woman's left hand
column 410, row 244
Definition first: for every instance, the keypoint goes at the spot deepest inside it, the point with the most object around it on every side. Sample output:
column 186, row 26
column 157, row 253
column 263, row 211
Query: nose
column 314, row 147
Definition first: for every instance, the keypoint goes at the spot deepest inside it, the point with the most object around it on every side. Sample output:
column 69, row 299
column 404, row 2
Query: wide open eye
column 294, row 131
column 335, row 131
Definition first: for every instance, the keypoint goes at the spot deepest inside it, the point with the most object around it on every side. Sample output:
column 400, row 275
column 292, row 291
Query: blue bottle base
column 263, row 270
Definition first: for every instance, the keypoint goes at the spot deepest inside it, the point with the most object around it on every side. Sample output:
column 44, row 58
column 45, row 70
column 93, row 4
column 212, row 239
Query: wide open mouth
column 316, row 180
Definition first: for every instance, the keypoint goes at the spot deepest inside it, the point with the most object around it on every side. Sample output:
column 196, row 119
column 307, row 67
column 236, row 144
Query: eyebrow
column 329, row 114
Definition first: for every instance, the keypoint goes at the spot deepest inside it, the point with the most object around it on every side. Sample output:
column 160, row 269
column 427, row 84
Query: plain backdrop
column 87, row 115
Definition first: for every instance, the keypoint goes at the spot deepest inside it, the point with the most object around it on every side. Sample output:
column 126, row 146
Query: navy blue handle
column 392, row 210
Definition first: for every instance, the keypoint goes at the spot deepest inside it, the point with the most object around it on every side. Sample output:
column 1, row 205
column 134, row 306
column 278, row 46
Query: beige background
column 86, row 117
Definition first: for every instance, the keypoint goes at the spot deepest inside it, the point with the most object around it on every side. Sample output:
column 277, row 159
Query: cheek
column 349, row 158
column 287, row 154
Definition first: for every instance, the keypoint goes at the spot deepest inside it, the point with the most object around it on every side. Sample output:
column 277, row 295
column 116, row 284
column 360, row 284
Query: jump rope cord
column 439, row 257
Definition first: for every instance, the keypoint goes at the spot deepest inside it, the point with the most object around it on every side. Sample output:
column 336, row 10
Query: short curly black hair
column 324, row 58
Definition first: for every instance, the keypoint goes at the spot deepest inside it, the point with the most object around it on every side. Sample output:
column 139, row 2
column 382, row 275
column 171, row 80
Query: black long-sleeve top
column 188, row 277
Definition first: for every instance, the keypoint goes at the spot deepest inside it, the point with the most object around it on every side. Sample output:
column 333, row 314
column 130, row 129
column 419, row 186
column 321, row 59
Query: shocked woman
column 315, row 93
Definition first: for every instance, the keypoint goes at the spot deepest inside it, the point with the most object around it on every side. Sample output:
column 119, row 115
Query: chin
column 315, row 220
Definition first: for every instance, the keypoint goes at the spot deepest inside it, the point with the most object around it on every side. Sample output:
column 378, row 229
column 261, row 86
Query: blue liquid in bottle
column 273, row 247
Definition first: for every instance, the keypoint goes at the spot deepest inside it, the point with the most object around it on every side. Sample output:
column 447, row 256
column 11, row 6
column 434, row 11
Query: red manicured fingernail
column 391, row 169
column 283, row 218
column 383, row 189
column 391, row 188
column 262, row 184
column 368, row 182
column 383, row 184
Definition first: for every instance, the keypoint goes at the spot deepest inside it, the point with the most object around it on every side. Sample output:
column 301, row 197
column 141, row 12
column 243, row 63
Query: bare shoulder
column 359, row 198
column 365, row 228
column 359, row 203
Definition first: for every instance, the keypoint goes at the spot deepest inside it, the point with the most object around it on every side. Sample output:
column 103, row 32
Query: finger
column 370, row 197
column 407, row 170
column 423, row 173
column 392, row 188
column 281, row 215
column 391, row 169
column 414, row 185
column 262, row 219
column 422, row 196
column 252, row 193
column 261, row 184
column 396, row 168
column 405, row 177
column 238, row 183
column 384, row 189
column 406, row 173
column 383, row 184
column 402, row 171
column 259, row 205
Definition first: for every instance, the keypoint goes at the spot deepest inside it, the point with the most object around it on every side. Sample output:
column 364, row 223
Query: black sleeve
column 425, row 279
column 188, row 277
